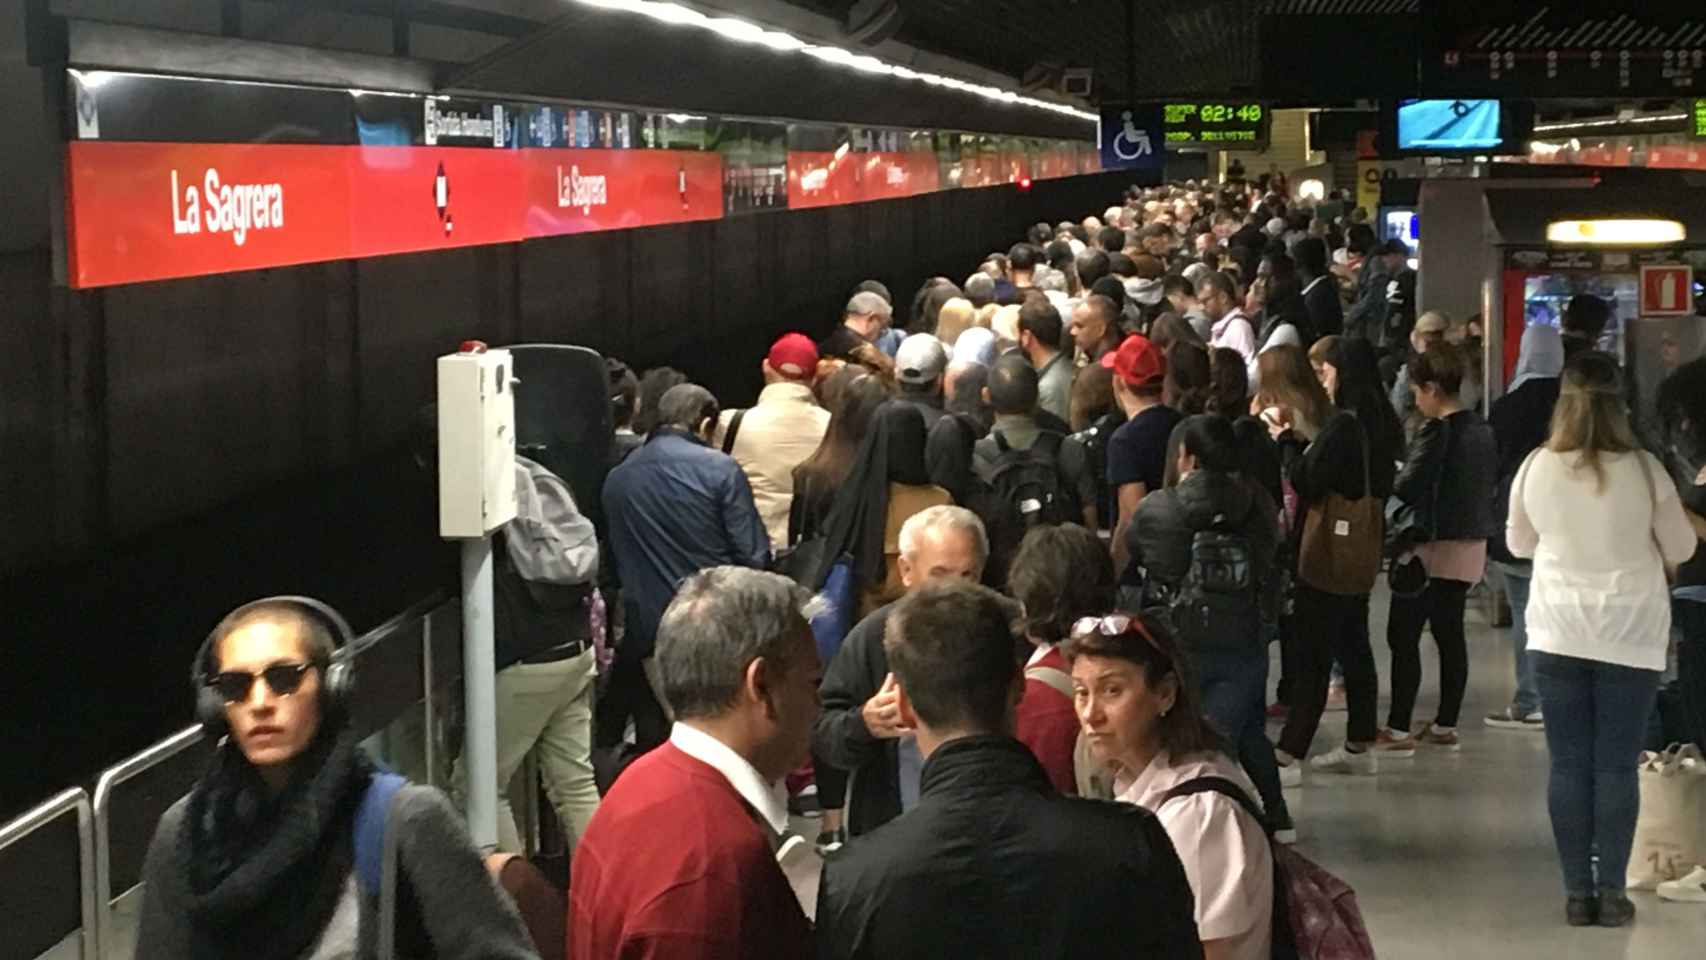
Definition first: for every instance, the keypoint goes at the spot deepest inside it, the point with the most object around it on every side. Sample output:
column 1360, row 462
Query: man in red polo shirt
column 680, row 859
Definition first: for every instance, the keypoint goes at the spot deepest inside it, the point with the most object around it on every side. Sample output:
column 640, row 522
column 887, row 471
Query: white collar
column 1311, row 284
column 766, row 798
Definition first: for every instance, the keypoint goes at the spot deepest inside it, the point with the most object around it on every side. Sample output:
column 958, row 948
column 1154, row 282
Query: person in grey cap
column 920, row 366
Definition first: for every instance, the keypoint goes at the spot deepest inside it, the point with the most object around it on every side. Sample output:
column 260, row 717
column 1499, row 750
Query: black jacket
column 1161, row 531
column 840, row 737
column 1333, row 463
column 1521, row 421
column 1460, row 455
column 994, row 863
column 1326, row 310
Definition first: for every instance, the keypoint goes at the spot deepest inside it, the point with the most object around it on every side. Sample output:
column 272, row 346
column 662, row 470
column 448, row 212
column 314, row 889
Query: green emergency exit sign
column 1698, row 117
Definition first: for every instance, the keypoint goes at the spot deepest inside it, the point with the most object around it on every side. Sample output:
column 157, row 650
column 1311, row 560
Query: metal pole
column 479, row 683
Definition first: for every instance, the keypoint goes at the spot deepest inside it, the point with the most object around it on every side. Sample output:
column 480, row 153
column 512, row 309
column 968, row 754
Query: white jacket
column 1599, row 588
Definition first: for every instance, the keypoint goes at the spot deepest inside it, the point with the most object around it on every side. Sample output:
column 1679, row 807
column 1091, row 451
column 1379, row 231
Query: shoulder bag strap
column 729, row 434
column 1222, row 786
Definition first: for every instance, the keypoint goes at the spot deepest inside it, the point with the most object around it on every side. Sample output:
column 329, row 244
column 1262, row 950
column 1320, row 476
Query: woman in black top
column 818, row 477
column 1325, row 451
column 1448, row 482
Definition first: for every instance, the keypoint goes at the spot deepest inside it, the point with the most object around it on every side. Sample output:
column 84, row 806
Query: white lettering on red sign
column 234, row 208
column 585, row 192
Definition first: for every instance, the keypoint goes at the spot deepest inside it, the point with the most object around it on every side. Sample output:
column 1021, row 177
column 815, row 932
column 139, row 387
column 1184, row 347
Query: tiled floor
column 1451, row 853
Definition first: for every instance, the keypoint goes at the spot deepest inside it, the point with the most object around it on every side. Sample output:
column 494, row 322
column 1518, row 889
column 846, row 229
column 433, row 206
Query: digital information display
column 1448, row 124
column 1698, row 116
column 1215, row 123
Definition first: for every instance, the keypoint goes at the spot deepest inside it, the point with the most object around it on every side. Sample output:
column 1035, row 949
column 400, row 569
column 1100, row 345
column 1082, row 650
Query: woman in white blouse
column 1601, row 519
column 1142, row 714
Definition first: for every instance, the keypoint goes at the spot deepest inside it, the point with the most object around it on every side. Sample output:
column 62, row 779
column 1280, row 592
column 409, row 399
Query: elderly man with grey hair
column 674, row 507
column 680, row 859
column 859, row 731
column 855, row 341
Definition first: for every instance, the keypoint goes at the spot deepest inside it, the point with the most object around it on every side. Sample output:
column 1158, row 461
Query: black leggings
column 1330, row 627
column 1440, row 607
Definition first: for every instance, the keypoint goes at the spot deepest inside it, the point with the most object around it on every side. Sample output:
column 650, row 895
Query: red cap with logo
column 1138, row 361
column 794, row 356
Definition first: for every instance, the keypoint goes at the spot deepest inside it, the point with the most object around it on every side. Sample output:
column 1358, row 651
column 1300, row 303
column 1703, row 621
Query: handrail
column 110, row 780
column 74, row 799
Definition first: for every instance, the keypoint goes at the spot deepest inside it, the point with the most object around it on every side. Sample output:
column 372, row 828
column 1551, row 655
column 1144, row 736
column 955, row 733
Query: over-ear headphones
column 337, row 675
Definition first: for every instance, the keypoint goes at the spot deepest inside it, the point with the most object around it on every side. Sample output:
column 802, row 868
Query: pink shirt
column 1462, row 560
column 1225, row 853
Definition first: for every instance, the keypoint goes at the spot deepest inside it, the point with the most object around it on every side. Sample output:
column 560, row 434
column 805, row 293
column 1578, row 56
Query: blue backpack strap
column 370, row 829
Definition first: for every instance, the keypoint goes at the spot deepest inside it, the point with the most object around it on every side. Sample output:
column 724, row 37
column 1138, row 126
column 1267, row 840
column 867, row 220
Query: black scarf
column 265, row 873
column 892, row 452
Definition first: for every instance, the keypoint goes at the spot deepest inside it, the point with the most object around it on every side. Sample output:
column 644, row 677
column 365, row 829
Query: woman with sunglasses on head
column 259, row 861
column 1601, row 519
column 1141, row 713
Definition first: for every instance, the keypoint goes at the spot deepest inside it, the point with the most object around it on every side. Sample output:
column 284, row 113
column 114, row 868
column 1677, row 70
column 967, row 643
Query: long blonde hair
column 1287, row 381
column 1590, row 417
column 957, row 316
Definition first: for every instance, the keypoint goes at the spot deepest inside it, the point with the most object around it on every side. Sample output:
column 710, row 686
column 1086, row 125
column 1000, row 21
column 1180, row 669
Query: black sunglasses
column 283, row 679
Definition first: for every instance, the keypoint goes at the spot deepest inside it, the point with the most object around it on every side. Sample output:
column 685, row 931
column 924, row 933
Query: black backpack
column 1023, row 489
column 1218, row 603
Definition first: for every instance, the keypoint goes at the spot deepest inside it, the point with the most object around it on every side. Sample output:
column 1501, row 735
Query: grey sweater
column 454, row 900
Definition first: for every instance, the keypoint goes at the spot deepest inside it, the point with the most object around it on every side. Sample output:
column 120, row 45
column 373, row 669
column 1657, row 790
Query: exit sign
column 1667, row 290
column 1697, row 120
column 1233, row 123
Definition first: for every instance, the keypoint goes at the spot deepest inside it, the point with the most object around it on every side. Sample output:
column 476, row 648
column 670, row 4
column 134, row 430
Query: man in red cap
column 1137, row 452
column 772, row 438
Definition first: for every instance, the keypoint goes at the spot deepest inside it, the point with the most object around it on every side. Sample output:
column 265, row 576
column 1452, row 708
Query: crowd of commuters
column 987, row 581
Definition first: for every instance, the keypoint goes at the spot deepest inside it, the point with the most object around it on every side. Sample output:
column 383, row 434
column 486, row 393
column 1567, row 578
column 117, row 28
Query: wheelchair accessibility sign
column 1131, row 138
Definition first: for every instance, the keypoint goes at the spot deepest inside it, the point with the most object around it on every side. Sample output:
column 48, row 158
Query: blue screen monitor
column 1445, row 125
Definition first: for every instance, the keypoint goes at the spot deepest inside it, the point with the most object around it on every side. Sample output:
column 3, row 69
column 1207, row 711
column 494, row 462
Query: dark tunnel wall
column 168, row 450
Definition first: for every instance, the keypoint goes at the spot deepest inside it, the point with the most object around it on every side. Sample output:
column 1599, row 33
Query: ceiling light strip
column 1613, row 122
column 741, row 31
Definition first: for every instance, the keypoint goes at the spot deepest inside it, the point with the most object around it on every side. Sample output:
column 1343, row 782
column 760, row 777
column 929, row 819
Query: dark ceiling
column 1182, row 46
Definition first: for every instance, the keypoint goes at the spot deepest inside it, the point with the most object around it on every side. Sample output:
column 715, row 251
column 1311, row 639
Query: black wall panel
column 168, row 450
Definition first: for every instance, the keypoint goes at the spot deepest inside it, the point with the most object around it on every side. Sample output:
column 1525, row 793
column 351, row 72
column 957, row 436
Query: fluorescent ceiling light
column 741, row 31
column 1614, row 122
column 1616, row 232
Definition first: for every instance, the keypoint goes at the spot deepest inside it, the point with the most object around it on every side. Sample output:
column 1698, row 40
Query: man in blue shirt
column 674, row 507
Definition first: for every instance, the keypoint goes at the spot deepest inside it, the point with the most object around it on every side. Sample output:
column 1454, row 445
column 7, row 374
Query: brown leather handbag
column 1342, row 542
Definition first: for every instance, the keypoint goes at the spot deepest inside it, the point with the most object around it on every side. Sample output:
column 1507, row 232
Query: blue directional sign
column 1132, row 138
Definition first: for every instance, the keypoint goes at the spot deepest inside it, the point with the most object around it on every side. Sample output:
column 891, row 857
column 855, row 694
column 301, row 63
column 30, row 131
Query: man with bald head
column 1096, row 327
column 674, row 507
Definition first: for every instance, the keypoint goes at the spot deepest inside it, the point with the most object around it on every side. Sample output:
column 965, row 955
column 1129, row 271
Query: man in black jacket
column 858, row 729
column 983, row 865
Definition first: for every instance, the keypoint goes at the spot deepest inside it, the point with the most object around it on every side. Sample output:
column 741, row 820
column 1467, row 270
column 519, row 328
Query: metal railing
column 407, row 678
column 76, row 801
column 111, row 780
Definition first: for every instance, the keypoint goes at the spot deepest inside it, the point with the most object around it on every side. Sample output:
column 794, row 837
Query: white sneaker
column 1340, row 760
column 1690, row 889
column 1291, row 775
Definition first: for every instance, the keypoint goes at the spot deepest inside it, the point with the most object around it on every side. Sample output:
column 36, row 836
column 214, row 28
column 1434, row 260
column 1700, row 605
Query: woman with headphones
column 275, row 853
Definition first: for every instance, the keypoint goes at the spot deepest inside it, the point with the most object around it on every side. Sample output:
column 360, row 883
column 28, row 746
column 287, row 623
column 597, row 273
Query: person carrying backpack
column 1206, row 547
column 1029, row 477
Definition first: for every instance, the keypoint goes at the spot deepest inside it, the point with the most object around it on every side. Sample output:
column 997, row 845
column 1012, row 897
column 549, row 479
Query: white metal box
column 476, row 443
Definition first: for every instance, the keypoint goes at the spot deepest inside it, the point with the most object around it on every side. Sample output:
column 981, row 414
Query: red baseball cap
column 1138, row 361
column 794, row 356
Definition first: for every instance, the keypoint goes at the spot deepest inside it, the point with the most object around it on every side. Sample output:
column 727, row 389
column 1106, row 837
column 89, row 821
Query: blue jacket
column 676, row 507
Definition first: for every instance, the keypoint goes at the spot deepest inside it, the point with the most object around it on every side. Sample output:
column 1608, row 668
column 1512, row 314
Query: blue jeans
column 1516, row 590
column 1595, row 716
column 1234, row 687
